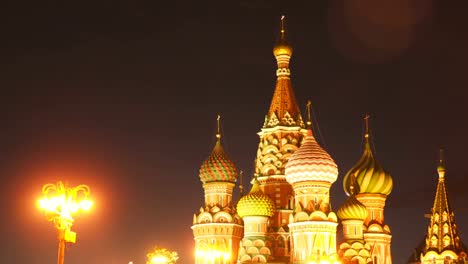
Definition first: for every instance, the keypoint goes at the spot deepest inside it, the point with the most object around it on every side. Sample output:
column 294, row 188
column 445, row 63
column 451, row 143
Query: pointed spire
column 218, row 131
column 309, row 115
column 366, row 121
column 283, row 31
column 284, row 110
column 442, row 232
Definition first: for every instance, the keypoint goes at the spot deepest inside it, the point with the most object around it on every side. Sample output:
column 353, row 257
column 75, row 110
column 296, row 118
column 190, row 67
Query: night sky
column 123, row 96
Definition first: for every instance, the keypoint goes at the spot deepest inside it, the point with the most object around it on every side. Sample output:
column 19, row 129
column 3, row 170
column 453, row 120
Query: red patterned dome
column 218, row 167
column 311, row 163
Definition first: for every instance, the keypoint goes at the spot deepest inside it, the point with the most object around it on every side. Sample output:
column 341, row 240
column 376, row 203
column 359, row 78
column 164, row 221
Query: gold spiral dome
column 256, row 203
column 352, row 209
column 370, row 176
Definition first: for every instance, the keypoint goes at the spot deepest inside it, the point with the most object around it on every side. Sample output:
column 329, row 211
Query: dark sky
column 123, row 96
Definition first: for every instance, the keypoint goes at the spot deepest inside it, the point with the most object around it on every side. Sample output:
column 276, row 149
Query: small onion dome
column 370, row 176
column 352, row 209
column 218, row 167
column 311, row 163
column 255, row 203
column 282, row 48
column 441, row 170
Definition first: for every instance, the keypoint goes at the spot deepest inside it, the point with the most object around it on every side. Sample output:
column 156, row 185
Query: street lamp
column 162, row 256
column 59, row 203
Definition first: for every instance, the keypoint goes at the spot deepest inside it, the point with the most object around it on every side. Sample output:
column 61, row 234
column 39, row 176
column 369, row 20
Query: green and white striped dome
column 370, row 176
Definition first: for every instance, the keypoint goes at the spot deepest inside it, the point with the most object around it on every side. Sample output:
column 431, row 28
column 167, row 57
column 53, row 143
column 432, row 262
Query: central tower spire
column 284, row 110
column 280, row 136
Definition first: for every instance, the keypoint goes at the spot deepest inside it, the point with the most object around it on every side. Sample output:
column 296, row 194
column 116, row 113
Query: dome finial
column 241, row 183
column 283, row 31
column 282, row 47
column 218, row 131
column 441, row 156
column 309, row 116
column 441, row 167
column 366, row 120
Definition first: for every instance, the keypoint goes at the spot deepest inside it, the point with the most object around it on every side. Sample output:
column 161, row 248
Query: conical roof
column 255, row 203
column 311, row 163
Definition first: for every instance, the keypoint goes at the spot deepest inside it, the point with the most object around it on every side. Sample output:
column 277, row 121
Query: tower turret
column 311, row 171
column 217, row 228
column 352, row 214
column 373, row 185
column 255, row 208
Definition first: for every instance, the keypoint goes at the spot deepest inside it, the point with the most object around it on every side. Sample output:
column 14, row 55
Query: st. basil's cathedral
column 287, row 216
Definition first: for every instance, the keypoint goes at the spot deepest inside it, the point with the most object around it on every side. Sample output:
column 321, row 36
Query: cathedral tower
column 443, row 244
column 373, row 185
column 311, row 172
column 280, row 136
column 217, row 229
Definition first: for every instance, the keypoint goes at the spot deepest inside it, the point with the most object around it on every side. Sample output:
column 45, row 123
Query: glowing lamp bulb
column 159, row 259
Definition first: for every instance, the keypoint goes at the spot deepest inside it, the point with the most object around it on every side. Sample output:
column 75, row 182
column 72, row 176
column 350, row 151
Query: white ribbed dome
column 311, row 163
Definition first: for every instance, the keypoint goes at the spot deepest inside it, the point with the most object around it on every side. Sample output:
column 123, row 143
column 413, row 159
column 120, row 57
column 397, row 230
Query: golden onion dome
column 352, row 209
column 370, row 176
column 311, row 163
column 282, row 47
column 255, row 203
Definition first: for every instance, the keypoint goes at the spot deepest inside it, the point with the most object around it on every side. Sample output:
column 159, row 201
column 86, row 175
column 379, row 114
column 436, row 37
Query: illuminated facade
column 287, row 216
column 442, row 243
column 281, row 135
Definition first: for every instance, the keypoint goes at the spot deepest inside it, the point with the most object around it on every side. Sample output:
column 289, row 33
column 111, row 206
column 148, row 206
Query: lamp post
column 59, row 203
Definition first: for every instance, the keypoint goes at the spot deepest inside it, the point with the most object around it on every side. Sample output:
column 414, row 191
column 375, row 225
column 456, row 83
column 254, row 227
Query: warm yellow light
column 61, row 202
column 86, row 205
column 162, row 256
column 159, row 259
